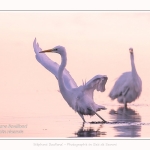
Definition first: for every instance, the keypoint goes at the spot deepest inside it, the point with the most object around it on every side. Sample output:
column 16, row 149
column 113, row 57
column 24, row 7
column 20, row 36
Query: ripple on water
column 120, row 123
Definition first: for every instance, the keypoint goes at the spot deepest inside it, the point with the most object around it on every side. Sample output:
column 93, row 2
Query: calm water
column 31, row 105
column 50, row 116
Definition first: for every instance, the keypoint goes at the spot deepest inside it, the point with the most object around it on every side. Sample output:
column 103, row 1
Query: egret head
column 131, row 50
column 58, row 49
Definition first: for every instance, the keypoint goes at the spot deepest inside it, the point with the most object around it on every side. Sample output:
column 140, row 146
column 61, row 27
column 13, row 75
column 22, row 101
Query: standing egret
column 128, row 87
column 79, row 98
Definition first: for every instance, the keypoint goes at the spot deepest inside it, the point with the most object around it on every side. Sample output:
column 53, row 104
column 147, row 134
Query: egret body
column 79, row 98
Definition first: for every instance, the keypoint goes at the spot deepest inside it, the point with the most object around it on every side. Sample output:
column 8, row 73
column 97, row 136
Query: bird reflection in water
column 129, row 117
column 90, row 131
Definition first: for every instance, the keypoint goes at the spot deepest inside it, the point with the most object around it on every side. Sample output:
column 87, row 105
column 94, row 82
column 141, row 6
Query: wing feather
column 52, row 66
column 98, row 83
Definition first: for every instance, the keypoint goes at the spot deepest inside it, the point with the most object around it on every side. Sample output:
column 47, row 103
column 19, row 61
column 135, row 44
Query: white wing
column 120, row 86
column 96, row 83
column 52, row 66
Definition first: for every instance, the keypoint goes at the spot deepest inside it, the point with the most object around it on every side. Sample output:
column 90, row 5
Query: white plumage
column 128, row 87
column 79, row 98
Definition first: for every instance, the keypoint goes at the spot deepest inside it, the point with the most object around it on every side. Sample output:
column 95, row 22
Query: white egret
column 128, row 87
column 79, row 98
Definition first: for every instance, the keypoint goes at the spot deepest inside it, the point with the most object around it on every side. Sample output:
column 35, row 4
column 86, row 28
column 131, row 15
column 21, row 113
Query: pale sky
column 96, row 43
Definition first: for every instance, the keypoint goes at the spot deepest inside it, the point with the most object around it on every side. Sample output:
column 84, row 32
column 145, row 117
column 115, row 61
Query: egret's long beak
column 49, row 50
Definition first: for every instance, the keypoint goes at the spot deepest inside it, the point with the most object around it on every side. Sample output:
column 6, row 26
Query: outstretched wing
column 96, row 83
column 52, row 66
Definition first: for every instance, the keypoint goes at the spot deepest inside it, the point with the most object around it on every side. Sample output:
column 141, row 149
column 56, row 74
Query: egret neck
column 134, row 72
column 62, row 86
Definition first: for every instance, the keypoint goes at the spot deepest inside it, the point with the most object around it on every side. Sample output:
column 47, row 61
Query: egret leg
column 97, row 115
column 83, row 124
column 125, row 110
column 125, row 103
column 81, row 117
column 100, row 117
column 124, row 94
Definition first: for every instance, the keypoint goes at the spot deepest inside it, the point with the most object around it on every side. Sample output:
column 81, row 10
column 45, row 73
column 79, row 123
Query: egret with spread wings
column 79, row 98
column 128, row 87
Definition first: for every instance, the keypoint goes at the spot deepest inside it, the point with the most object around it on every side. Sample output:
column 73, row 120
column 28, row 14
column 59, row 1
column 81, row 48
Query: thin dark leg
column 81, row 117
column 100, row 117
column 97, row 115
column 125, row 105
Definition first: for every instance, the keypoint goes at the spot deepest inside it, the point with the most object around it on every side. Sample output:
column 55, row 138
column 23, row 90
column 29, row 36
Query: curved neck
column 62, row 86
column 134, row 72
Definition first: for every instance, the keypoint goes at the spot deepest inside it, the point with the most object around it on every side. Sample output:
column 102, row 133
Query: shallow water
column 96, row 43
column 46, row 120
